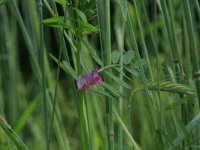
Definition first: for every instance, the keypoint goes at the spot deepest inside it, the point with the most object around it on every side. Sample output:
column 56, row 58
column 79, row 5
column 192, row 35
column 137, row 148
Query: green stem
column 135, row 47
column 120, row 31
column 88, row 124
column 81, row 117
column 109, row 103
column 121, row 123
column 109, row 66
column 11, row 133
column 190, row 126
column 42, row 51
column 194, row 55
column 142, row 39
column 191, row 34
column 81, row 99
column 57, row 78
column 36, row 68
column 169, row 30
column 175, row 46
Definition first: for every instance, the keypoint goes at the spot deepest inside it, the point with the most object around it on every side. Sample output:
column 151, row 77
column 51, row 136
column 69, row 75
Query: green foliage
column 124, row 8
column 158, row 140
column 184, row 130
column 179, row 102
column 119, row 81
column 128, row 57
column 62, row 2
column 3, row 2
column 12, row 135
column 115, row 56
column 93, row 52
column 100, row 92
column 134, row 44
column 84, row 29
column 27, row 113
column 65, row 66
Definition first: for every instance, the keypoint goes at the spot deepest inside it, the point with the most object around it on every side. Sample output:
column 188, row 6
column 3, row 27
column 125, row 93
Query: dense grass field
column 99, row 74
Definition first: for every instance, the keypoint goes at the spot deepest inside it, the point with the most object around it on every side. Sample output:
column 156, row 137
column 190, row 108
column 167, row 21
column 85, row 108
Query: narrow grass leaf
column 178, row 102
column 158, row 140
column 112, row 90
column 190, row 126
column 88, row 28
column 59, row 125
column 119, row 81
column 134, row 72
column 81, row 15
column 65, row 67
column 57, row 22
column 167, row 138
column 26, row 114
column 83, row 61
column 92, row 52
column 100, row 92
column 136, row 146
column 122, row 73
column 12, row 135
column 184, row 130
column 62, row 2
column 54, row 19
column 69, row 69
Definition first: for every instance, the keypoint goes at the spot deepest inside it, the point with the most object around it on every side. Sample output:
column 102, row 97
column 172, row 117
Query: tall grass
column 146, row 52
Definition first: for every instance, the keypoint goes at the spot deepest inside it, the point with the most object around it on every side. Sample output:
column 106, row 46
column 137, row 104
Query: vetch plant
column 84, row 81
column 143, row 95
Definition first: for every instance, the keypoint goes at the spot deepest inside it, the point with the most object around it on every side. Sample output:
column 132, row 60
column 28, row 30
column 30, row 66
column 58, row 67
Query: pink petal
column 96, row 80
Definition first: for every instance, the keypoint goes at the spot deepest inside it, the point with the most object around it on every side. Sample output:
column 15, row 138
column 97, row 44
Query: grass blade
column 11, row 133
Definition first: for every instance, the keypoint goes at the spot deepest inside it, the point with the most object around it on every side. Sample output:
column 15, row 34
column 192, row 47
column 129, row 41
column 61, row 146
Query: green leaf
column 83, row 61
column 134, row 72
column 126, row 131
column 114, row 91
column 178, row 102
column 54, row 19
column 69, row 69
column 143, row 62
column 115, row 56
column 26, row 114
column 168, row 139
column 122, row 72
column 92, row 52
column 124, row 8
column 81, row 15
column 65, row 67
column 88, row 28
column 57, row 22
column 119, row 81
column 62, row 2
column 100, row 92
column 12, row 135
column 158, row 140
column 128, row 56
column 184, row 129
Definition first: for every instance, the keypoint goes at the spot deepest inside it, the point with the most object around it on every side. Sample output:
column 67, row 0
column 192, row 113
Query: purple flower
column 84, row 81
